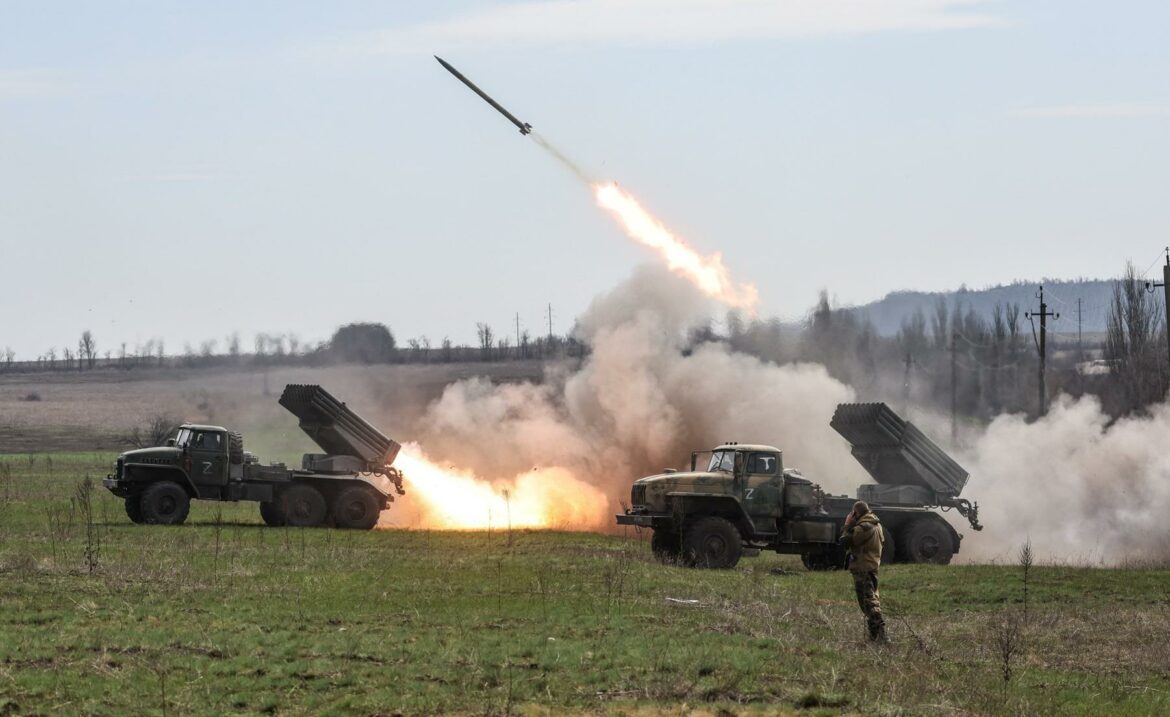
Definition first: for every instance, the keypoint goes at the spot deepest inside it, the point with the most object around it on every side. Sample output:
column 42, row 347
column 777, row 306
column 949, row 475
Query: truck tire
column 712, row 542
column 134, row 508
column 235, row 448
column 890, row 547
column 164, row 503
column 356, row 508
column 271, row 514
column 927, row 540
column 666, row 545
column 303, row 506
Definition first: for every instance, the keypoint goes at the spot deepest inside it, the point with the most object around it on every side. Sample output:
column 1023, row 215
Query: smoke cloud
column 1080, row 489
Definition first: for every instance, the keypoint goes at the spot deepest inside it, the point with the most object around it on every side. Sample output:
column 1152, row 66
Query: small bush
column 31, row 396
column 154, row 432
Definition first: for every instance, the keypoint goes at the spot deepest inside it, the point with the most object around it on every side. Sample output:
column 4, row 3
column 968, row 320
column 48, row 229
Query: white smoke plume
column 1082, row 490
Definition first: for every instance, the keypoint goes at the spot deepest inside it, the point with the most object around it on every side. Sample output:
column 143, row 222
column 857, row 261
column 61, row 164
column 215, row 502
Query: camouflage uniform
column 864, row 539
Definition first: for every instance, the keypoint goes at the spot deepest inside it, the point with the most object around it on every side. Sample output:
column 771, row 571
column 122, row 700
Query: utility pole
column 1080, row 336
column 517, row 333
column 954, row 390
column 1165, row 285
column 1042, row 347
column 550, row 322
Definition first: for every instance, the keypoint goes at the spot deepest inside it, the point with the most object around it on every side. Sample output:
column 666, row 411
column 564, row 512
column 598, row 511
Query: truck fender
column 154, row 473
column 687, row 504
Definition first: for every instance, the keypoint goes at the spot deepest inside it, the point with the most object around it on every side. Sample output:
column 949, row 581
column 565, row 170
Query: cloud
column 670, row 22
column 1100, row 110
column 16, row 84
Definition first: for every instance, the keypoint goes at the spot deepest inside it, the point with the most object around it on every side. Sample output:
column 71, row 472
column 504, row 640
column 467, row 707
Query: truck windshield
column 183, row 437
column 722, row 461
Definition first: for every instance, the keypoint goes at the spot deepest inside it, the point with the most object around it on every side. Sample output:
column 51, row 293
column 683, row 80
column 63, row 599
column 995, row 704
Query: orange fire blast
column 706, row 272
column 454, row 499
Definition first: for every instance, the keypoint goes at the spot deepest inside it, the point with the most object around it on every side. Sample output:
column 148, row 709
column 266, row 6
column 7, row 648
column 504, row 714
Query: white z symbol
column 749, row 492
column 206, row 467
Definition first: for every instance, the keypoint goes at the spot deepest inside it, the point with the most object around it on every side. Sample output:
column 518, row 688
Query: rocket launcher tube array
column 336, row 428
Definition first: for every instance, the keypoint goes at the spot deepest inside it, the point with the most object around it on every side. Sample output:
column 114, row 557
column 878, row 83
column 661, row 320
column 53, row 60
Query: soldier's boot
column 877, row 629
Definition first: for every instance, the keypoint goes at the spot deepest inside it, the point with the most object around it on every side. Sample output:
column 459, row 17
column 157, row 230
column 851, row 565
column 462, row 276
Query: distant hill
column 888, row 313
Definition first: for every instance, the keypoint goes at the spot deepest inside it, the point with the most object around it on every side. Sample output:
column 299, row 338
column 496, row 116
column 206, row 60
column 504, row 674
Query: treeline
column 982, row 364
column 363, row 343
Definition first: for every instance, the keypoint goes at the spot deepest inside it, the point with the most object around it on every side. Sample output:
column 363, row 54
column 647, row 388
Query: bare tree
column 87, row 348
column 484, row 332
column 9, row 355
column 233, row 345
column 207, row 349
column 940, row 325
column 1132, row 341
column 161, row 352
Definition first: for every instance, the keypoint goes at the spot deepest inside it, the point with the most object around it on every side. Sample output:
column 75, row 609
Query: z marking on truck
column 748, row 493
column 206, row 468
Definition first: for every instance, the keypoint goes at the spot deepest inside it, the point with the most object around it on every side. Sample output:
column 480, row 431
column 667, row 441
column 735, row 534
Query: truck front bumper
column 643, row 519
column 115, row 486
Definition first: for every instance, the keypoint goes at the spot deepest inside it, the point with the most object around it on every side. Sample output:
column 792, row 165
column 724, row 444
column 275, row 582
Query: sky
column 184, row 171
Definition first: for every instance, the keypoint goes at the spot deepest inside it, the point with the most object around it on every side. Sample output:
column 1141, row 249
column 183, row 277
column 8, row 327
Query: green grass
column 224, row 616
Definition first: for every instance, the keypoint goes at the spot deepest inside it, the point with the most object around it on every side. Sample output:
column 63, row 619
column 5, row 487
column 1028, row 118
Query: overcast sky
column 185, row 170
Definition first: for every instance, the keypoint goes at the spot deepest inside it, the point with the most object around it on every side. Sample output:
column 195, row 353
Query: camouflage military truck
column 348, row 486
column 745, row 500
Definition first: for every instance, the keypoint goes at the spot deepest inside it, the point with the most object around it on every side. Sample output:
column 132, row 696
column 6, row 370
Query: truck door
column 763, row 489
column 208, row 450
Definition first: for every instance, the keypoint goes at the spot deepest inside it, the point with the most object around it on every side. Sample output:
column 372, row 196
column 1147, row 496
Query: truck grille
column 638, row 495
column 118, row 469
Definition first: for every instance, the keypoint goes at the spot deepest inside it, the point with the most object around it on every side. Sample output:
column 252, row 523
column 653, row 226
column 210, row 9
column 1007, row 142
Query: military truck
column 347, row 486
column 744, row 500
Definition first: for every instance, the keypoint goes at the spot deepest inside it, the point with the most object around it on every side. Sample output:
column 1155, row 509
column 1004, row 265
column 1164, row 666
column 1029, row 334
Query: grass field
column 224, row 616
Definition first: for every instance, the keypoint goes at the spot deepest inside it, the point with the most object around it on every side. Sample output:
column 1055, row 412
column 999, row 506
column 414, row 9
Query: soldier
column 863, row 537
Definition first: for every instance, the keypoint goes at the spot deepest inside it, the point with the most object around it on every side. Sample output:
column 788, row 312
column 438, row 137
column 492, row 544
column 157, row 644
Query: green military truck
column 347, row 486
column 745, row 500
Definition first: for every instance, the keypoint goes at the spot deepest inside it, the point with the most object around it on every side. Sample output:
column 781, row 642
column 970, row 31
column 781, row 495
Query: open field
column 223, row 616
column 93, row 410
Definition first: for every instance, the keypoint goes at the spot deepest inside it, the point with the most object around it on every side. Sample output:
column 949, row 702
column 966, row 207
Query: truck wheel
column 714, row 543
column 134, row 508
column 666, row 545
column 927, row 540
column 356, row 508
column 303, row 506
column 271, row 514
column 889, row 548
column 164, row 503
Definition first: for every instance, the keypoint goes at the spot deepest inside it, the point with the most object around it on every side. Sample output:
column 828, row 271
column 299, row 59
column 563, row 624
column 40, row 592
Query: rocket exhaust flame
column 453, row 499
column 706, row 272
